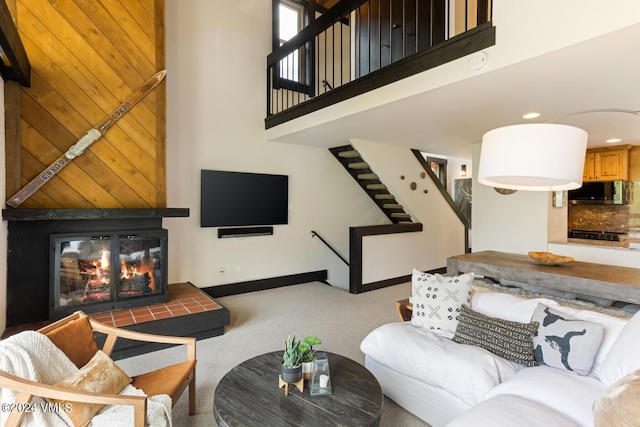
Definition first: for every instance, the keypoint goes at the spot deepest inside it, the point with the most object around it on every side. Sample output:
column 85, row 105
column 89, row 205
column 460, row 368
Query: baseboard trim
column 263, row 284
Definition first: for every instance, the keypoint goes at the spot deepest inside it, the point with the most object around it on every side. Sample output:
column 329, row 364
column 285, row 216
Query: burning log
column 136, row 285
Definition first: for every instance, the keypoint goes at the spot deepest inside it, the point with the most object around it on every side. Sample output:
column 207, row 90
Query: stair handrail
column 454, row 206
column 315, row 234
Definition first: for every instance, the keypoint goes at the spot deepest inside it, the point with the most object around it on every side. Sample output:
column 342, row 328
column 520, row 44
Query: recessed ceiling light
column 531, row 115
column 612, row 140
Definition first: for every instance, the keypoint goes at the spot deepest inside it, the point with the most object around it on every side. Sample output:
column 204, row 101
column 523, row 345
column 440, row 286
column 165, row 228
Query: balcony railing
column 361, row 38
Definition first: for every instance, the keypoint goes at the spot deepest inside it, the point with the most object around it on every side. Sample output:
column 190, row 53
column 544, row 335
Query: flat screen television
column 230, row 199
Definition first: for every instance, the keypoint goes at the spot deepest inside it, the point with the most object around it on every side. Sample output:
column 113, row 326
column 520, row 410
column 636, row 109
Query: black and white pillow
column 508, row 339
column 437, row 299
column 565, row 343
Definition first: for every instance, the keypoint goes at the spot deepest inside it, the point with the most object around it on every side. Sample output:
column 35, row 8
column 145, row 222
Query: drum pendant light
column 533, row 157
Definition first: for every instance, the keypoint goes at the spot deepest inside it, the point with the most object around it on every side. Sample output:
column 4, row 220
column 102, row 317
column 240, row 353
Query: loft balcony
column 574, row 70
column 361, row 45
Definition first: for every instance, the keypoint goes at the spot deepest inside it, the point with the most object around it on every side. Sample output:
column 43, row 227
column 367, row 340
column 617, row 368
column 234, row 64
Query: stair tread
column 376, row 187
column 349, row 154
column 367, row 176
column 358, row 165
column 392, row 206
column 385, row 196
column 400, row 215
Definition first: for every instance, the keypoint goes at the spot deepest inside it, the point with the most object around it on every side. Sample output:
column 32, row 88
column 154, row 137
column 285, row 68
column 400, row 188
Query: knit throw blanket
column 31, row 355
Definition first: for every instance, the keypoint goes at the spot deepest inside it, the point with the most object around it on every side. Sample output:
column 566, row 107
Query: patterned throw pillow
column 507, row 339
column 437, row 299
column 566, row 344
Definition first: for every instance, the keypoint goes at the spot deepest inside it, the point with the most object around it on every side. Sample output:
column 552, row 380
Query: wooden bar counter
column 598, row 280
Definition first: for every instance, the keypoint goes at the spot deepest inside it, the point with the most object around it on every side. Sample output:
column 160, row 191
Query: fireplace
column 41, row 240
column 107, row 270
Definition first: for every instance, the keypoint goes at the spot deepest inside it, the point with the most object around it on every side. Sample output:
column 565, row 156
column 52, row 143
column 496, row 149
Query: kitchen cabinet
column 634, row 164
column 607, row 164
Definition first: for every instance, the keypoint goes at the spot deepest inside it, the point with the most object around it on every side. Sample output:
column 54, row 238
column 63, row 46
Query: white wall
column 216, row 90
column 515, row 223
column 442, row 235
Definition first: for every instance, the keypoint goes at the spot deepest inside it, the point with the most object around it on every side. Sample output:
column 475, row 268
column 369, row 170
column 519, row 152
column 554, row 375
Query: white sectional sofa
column 453, row 384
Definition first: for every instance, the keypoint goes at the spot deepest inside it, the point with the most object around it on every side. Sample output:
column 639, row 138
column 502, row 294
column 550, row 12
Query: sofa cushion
column 571, row 395
column 565, row 343
column 511, row 411
column 467, row 372
column 100, row 375
column 506, row 306
column 437, row 299
column 520, row 309
column 618, row 406
column 624, row 355
column 511, row 340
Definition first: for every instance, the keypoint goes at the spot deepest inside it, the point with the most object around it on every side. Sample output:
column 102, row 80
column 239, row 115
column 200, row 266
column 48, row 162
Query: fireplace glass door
column 106, row 271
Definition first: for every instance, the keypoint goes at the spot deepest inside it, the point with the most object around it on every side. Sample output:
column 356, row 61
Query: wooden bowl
column 547, row 258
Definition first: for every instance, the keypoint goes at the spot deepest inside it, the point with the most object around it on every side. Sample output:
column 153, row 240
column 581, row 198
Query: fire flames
column 134, row 276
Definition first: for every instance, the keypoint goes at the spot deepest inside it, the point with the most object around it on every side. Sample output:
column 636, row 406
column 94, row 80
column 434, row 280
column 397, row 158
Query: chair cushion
column 76, row 340
column 168, row 380
column 100, row 375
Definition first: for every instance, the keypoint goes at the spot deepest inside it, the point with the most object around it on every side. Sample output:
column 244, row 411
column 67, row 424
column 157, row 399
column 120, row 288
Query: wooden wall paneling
column 54, row 132
column 97, row 41
column 92, row 192
column 161, row 105
column 88, row 57
column 46, row 111
column 59, row 193
column 138, row 56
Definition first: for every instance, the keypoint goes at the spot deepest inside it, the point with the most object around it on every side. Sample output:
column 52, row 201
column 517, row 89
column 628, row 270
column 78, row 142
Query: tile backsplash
column 618, row 218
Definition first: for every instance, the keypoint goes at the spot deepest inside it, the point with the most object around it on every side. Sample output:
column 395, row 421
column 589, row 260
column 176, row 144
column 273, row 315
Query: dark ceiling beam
column 15, row 63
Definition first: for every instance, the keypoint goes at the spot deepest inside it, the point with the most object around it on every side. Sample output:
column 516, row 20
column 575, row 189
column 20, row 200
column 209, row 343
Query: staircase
column 350, row 158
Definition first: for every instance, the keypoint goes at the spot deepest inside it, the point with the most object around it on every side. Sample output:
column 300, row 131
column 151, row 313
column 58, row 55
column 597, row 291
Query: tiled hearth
column 186, row 309
column 184, row 298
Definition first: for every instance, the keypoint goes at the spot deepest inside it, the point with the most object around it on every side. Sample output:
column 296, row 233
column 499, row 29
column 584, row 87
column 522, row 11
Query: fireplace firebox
column 107, row 270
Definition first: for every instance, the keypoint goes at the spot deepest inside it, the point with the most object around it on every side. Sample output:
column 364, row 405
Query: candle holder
column 320, row 378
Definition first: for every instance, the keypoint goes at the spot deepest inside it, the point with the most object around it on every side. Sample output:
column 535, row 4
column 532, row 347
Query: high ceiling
column 584, row 85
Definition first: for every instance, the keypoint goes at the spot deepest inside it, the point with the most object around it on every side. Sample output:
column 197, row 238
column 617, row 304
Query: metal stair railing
column 315, row 234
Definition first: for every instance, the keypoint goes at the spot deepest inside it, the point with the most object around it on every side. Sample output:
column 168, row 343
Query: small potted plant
column 291, row 369
column 306, row 354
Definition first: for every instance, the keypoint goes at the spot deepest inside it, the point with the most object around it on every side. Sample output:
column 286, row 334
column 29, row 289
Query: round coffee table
column 248, row 395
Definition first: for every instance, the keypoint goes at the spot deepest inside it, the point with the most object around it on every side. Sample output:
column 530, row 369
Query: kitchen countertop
column 628, row 244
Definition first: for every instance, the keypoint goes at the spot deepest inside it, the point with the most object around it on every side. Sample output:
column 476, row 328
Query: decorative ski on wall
column 85, row 141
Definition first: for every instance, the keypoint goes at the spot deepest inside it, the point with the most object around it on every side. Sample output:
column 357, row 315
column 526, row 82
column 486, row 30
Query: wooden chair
column 74, row 335
column 405, row 309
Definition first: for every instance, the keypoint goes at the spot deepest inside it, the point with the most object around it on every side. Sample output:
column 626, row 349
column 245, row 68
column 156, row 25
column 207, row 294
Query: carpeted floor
column 260, row 321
